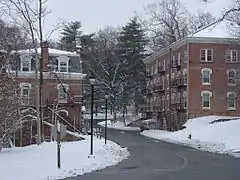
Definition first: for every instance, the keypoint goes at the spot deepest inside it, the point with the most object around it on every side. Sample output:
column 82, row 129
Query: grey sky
column 96, row 14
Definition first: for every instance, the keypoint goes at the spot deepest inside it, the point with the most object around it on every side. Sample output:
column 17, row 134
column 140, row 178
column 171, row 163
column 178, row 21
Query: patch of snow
column 218, row 30
column 118, row 125
column 98, row 117
column 53, row 52
column 40, row 162
column 221, row 137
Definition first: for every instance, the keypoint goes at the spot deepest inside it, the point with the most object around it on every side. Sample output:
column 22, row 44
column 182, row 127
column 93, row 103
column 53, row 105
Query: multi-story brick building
column 61, row 89
column 193, row 77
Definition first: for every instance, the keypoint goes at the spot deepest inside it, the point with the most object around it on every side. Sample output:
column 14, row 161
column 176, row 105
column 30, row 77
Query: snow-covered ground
column 206, row 135
column 118, row 125
column 39, row 162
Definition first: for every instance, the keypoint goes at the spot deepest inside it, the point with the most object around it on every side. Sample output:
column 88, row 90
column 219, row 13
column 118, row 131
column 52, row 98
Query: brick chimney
column 45, row 49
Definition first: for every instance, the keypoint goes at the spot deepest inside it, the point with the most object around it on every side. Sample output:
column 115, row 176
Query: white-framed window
column 232, row 101
column 231, row 76
column 185, row 54
column 206, row 99
column 173, row 61
column 62, row 93
column 179, row 59
column 206, row 76
column 163, row 102
column 231, row 56
column 185, row 99
column 25, row 89
column 25, row 62
column 185, row 76
column 63, row 64
column 206, row 55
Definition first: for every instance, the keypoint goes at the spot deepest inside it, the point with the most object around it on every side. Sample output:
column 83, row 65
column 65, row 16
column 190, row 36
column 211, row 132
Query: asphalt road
column 152, row 160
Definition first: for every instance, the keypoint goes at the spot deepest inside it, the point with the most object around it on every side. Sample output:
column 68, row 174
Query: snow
column 118, row 125
column 53, row 52
column 39, row 162
column 98, row 117
column 219, row 30
column 206, row 134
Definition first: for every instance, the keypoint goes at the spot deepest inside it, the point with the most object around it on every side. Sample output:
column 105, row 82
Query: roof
column 53, row 52
column 219, row 32
column 221, row 29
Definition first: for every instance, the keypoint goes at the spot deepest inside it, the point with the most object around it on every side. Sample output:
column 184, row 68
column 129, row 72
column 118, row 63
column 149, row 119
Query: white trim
column 63, row 110
column 210, row 95
column 25, row 84
column 209, row 77
column 231, row 56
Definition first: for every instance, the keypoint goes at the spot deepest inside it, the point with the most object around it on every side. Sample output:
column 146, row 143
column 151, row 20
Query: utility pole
column 58, row 145
column 106, row 111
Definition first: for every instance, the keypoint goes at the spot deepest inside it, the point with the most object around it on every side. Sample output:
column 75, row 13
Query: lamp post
column 106, row 111
column 92, row 82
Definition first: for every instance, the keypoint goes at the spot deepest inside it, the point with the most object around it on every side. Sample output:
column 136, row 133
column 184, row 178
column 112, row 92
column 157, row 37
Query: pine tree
column 70, row 36
column 132, row 49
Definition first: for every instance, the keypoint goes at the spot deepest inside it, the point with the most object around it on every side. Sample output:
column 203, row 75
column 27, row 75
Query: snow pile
column 99, row 116
column 118, row 125
column 40, row 162
column 207, row 134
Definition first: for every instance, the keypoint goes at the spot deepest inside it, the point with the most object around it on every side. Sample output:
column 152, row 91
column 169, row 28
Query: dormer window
column 63, row 63
column 25, row 63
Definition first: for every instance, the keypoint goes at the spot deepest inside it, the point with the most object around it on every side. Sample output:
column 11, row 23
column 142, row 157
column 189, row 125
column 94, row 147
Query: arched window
column 206, row 76
column 232, row 101
column 62, row 92
column 231, row 76
column 206, row 99
column 25, row 89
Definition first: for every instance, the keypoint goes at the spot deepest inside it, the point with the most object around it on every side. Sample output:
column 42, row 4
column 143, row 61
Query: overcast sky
column 96, row 14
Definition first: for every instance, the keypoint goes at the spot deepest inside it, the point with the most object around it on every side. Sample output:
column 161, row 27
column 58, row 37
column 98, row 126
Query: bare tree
column 29, row 15
column 105, row 63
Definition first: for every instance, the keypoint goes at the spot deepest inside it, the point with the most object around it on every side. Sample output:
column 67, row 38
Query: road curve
column 155, row 160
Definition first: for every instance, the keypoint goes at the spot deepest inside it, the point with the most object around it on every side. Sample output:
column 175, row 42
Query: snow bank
column 39, row 162
column 118, row 125
column 219, row 137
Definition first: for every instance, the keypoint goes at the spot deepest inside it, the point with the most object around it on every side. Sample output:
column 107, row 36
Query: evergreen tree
column 132, row 48
column 70, row 36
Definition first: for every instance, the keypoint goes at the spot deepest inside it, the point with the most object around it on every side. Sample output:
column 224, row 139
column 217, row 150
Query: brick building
column 193, row 77
column 61, row 89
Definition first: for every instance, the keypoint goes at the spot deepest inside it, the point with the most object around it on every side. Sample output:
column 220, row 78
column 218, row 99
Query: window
column 231, row 77
column 231, row 56
column 62, row 93
column 173, row 61
column 185, row 77
column 156, row 68
column 206, row 55
column 206, row 99
column 206, row 76
column 185, row 99
column 25, row 63
column 164, row 65
column 179, row 59
column 232, row 97
column 163, row 102
column 63, row 63
column 25, row 92
column 185, row 56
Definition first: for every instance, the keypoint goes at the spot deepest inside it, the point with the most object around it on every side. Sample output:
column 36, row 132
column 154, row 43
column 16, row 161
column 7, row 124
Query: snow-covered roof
column 51, row 51
column 221, row 29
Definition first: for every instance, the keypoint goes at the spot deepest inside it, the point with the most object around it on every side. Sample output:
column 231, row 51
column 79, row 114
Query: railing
column 179, row 82
column 161, row 69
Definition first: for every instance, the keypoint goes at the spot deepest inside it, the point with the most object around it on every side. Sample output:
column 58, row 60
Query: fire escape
column 177, row 94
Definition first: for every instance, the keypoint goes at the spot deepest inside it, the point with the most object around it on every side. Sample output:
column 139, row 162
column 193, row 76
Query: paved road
column 151, row 160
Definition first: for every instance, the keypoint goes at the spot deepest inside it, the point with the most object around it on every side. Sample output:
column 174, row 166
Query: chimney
column 45, row 51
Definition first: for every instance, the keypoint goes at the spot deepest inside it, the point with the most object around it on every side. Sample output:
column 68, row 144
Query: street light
column 92, row 82
column 106, row 111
